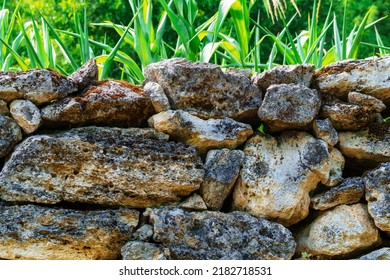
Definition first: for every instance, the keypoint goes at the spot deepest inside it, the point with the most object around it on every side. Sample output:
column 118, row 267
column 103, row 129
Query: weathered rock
column 372, row 103
column 368, row 76
column 136, row 250
column 278, row 174
column 10, row 134
column 377, row 184
column 3, row 108
column 204, row 135
column 324, row 130
column 381, row 254
column 35, row 232
column 144, row 233
column 336, row 164
column 157, row 97
column 26, row 114
column 108, row 102
column 106, row 166
column 216, row 235
column 284, row 74
column 204, row 90
column 40, row 86
column 339, row 232
column 350, row 191
column 195, row 203
column 85, row 75
column 222, row 168
column 289, row 107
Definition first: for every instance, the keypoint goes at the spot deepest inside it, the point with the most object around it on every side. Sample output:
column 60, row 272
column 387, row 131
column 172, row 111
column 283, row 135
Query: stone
column 350, row 191
column 204, row 135
column 157, row 97
column 277, row 175
column 336, row 164
column 380, row 254
column 103, row 166
column 284, row 74
column 144, row 233
column 40, row 86
column 109, row 102
column 36, row 232
column 136, row 250
column 222, row 168
column 368, row 76
column 195, row 203
column 26, row 114
column 211, row 235
column 377, row 184
column 85, row 75
column 340, row 232
column 375, row 104
column 203, row 90
column 324, row 130
column 289, row 107
column 3, row 108
column 10, row 135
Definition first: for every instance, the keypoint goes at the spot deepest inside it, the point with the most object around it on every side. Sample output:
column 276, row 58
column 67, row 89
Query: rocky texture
column 144, row 233
column 10, row 134
column 380, row 254
column 85, row 75
column 339, row 232
column 350, row 191
column 35, row 232
column 366, row 101
column 204, row 135
column 368, row 76
column 324, row 130
column 3, row 108
column 216, row 235
column 108, row 102
column 285, row 74
column 106, row 166
column 136, row 250
column 289, row 107
column 378, row 195
column 222, row 168
column 204, row 90
column 157, row 97
column 26, row 114
column 278, row 174
column 195, row 203
column 40, row 86
column 336, row 164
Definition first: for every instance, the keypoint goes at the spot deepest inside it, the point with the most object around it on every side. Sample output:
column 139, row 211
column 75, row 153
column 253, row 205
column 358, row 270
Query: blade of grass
column 17, row 57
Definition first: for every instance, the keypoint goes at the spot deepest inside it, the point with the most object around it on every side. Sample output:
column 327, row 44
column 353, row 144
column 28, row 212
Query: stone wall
column 196, row 163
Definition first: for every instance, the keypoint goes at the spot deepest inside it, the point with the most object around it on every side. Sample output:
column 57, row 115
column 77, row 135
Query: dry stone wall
column 178, row 168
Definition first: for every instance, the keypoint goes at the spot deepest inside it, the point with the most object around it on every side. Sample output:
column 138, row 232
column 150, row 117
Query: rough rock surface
column 216, row 235
column 10, row 134
column 85, row 75
column 137, row 250
column 144, row 233
column 106, row 166
column 381, row 254
column 377, row 184
column 157, row 97
column 39, row 86
column 350, row 191
column 204, row 90
column 278, row 174
column 194, row 203
column 285, row 74
column 108, row 102
column 222, row 168
column 35, row 232
column 367, row 101
column 289, row 107
column 26, row 114
column 339, row 232
column 3, row 108
column 369, row 76
column 204, row 135
column 324, row 130
column 336, row 165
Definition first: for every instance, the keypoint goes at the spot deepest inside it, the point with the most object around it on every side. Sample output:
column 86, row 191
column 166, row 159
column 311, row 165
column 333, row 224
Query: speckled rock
column 377, row 184
column 324, row 130
column 380, row 254
column 26, row 114
column 85, row 75
column 289, row 107
column 157, row 97
column 215, row 235
column 144, row 233
column 222, row 168
column 278, row 174
column 285, row 74
column 204, row 135
column 369, row 76
column 3, row 108
column 336, row 164
column 370, row 102
column 10, row 134
column 339, row 232
column 105, row 166
column 108, row 102
column 40, row 86
column 350, row 191
column 137, row 250
column 194, row 203
column 35, row 232
column 204, row 90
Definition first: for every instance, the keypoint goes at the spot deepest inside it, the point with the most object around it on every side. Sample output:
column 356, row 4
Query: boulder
column 278, row 174
column 324, row 130
column 220, row 236
column 85, row 75
column 144, row 233
column 103, row 166
column 204, row 90
column 36, row 232
column 10, row 134
column 157, row 97
column 3, row 108
column 137, row 250
column 26, row 114
column 380, row 254
column 336, row 164
column 194, row 203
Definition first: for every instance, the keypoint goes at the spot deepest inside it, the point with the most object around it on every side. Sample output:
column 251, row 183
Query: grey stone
column 372, row 103
column 324, row 130
column 10, row 135
column 194, row 203
column 336, row 164
column 380, row 254
column 136, row 250
column 3, row 108
column 26, row 114
column 85, row 75
column 144, row 233
column 157, row 96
